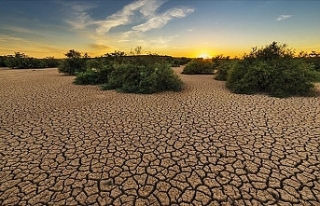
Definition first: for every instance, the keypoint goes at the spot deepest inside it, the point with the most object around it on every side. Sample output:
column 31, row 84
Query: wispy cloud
column 214, row 43
column 15, row 40
column 78, row 14
column 283, row 17
column 99, row 46
column 19, row 29
column 36, row 47
column 123, row 40
column 81, row 21
column 160, row 42
column 146, row 8
column 134, row 13
column 134, row 19
column 158, row 21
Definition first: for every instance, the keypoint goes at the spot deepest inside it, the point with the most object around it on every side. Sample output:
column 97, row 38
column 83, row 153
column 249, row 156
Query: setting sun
column 204, row 56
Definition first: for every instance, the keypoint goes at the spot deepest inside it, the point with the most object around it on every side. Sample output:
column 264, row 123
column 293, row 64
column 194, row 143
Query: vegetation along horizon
column 274, row 69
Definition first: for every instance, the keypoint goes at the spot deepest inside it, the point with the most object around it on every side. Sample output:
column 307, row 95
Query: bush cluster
column 146, row 75
column 198, row 66
column 145, row 79
column 272, row 70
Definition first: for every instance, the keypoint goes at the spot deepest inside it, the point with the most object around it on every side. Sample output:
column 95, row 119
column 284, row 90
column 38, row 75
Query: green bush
column 96, row 73
column 86, row 78
column 184, row 60
column 198, row 66
column 2, row 61
column 73, row 64
column 294, row 78
column 315, row 61
column 223, row 69
column 271, row 70
column 175, row 62
column 314, row 75
column 247, row 78
column 143, row 79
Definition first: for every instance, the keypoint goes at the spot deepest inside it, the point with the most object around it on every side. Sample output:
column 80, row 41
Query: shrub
column 218, row 60
column 143, row 79
column 175, row 62
column 271, row 70
column 314, row 75
column 246, row 78
column 223, row 69
column 198, row 66
column 87, row 77
column 315, row 61
column 96, row 73
column 291, row 78
column 73, row 64
column 184, row 60
column 2, row 61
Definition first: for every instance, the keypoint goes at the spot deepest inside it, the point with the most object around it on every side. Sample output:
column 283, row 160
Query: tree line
column 22, row 61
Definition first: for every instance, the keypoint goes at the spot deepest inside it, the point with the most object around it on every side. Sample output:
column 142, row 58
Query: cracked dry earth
column 63, row 144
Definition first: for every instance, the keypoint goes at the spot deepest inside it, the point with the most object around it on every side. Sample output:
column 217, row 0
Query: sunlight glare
column 204, row 56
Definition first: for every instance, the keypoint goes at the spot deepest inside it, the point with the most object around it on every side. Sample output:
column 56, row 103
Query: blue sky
column 172, row 27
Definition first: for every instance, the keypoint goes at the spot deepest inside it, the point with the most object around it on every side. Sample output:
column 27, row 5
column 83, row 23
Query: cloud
column 14, row 43
column 78, row 14
column 19, row 30
column 158, row 21
column 15, row 40
column 283, row 17
column 99, row 46
column 214, row 43
column 123, row 40
column 133, row 13
column 134, row 19
column 80, row 21
column 125, row 16
column 157, row 42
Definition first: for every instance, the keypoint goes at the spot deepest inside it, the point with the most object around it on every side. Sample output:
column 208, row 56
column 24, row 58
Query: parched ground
column 63, row 144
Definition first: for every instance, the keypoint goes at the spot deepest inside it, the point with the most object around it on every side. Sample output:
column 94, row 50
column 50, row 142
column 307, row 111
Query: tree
column 72, row 54
column 118, row 53
column 20, row 55
column 272, row 51
column 138, row 50
column 73, row 64
column 314, row 54
column 302, row 54
column 86, row 56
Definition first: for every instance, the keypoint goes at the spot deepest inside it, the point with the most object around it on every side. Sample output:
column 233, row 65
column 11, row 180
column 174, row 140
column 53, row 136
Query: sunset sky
column 169, row 27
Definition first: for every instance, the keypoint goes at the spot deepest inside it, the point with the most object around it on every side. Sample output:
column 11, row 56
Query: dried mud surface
column 63, row 144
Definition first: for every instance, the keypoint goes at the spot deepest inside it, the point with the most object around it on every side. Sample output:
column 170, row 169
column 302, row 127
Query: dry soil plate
column 63, row 144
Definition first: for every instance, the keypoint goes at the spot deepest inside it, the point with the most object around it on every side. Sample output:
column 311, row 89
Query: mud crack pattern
column 62, row 144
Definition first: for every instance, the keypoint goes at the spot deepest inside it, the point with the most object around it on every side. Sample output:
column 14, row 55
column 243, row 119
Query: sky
column 179, row 28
